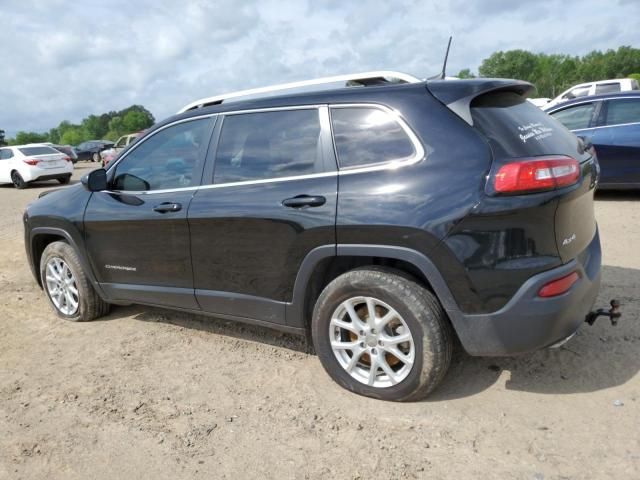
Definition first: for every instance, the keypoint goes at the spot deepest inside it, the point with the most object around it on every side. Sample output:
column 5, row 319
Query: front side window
column 623, row 111
column 266, row 145
column 6, row 154
column 575, row 118
column 368, row 136
column 168, row 159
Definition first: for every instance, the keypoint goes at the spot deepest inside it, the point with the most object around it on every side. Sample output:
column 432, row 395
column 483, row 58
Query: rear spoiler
column 458, row 94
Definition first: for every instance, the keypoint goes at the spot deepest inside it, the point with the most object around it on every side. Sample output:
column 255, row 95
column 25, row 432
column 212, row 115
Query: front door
column 618, row 142
column 136, row 233
column 271, row 200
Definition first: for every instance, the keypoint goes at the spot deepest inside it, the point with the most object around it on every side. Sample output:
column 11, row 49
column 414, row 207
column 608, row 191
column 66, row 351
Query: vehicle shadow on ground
column 617, row 195
column 597, row 358
column 213, row 325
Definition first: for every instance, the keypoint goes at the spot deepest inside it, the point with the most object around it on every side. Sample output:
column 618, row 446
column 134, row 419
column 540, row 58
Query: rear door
column 271, row 199
column 618, row 141
column 136, row 232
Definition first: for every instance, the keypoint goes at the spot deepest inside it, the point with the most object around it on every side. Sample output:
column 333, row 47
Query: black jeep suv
column 384, row 221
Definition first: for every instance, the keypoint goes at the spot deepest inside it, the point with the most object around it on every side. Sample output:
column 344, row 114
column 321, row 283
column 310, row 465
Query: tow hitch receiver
column 613, row 313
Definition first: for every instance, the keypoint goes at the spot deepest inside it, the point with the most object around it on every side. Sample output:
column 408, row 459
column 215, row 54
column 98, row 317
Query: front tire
column 382, row 335
column 68, row 289
column 18, row 181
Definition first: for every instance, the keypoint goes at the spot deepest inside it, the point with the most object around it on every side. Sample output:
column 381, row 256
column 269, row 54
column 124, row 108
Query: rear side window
column 575, row 117
column 269, row 145
column 367, row 136
column 516, row 128
column 623, row 111
column 35, row 151
column 607, row 88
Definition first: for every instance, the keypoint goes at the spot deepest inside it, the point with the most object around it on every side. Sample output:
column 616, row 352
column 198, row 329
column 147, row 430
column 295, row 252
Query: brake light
column 532, row 175
column 31, row 161
column 67, row 159
column 559, row 286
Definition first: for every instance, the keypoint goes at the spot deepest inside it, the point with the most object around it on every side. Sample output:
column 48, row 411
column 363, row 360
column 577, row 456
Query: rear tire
column 410, row 353
column 18, row 181
column 65, row 180
column 68, row 289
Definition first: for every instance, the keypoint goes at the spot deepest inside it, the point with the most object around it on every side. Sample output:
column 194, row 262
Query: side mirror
column 95, row 181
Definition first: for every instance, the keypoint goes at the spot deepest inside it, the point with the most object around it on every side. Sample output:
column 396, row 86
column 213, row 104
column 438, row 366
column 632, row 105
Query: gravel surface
column 151, row 394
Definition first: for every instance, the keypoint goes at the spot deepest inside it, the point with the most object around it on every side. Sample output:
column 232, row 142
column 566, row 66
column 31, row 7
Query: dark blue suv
column 383, row 220
column 612, row 123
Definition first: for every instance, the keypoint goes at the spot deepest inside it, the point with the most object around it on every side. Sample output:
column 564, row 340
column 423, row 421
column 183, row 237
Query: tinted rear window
column 35, row 151
column 516, row 128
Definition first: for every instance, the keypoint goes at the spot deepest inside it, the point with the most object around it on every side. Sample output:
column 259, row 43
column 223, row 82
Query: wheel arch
column 40, row 237
column 325, row 263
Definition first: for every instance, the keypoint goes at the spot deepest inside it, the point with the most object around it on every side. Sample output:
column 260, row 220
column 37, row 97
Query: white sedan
column 21, row 164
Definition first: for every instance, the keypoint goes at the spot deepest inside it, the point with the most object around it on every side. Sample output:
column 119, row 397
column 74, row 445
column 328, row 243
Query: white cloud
column 62, row 60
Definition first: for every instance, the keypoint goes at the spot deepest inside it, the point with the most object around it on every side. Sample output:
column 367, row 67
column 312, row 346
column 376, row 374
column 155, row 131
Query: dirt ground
column 153, row 394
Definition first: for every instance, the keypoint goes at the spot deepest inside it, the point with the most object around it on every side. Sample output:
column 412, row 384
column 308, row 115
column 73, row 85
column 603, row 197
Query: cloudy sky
column 64, row 60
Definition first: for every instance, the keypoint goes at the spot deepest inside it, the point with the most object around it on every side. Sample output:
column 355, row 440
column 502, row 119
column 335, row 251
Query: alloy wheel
column 372, row 342
column 61, row 286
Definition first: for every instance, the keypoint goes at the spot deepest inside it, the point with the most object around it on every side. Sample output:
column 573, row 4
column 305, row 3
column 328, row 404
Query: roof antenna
column 442, row 75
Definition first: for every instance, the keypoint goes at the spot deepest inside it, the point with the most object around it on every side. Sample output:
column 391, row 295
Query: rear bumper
column 34, row 174
column 528, row 322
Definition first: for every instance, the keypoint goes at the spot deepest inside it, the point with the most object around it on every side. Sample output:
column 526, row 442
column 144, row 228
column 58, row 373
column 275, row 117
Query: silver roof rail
column 365, row 78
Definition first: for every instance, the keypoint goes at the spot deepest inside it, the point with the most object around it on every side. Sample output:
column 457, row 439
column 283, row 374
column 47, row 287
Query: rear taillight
column 31, row 161
column 67, row 159
column 559, row 286
column 536, row 174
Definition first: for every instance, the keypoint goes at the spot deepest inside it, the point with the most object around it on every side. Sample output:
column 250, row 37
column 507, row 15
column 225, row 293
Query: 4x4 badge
column 568, row 240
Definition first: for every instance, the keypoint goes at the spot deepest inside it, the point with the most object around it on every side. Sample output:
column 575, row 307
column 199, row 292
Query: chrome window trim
column 418, row 154
column 323, row 112
column 593, row 100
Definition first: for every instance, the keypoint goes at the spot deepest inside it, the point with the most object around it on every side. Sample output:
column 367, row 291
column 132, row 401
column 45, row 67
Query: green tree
column 465, row 73
column 74, row 136
column 635, row 76
column 30, row 137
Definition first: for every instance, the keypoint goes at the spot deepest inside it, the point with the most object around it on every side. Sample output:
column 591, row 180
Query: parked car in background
column 539, row 102
column 67, row 150
column 91, row 149
column 612, row 123
column 21, row 164
column 594, row 88
column 123, row 142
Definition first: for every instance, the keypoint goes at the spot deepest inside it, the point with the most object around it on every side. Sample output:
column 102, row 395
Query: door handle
column 167, row 207
column 302, row 201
